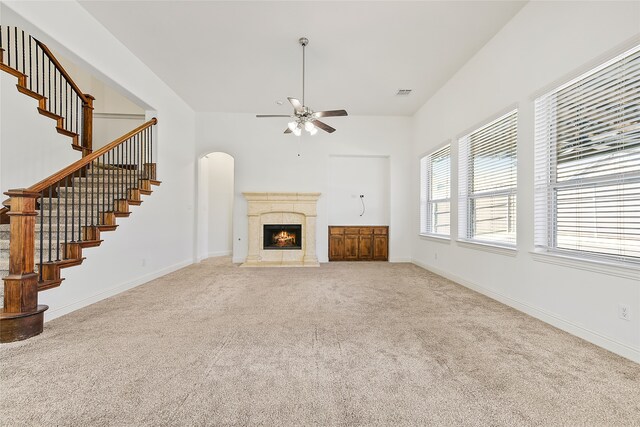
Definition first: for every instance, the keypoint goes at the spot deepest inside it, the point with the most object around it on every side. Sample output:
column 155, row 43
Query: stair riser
column 106, row 185
column 82, row 204
column 54, row 228
column 109, row 178
column 4, row 243
column 5, row 234
column 70, row 214
column 36, row 256
column 97, row 189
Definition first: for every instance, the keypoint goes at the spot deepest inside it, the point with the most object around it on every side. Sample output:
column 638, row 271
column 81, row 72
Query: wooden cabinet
column 358, row 243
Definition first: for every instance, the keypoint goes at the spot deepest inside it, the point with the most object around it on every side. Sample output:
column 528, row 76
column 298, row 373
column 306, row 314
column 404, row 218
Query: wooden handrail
column 76, row 166
column 66, row 75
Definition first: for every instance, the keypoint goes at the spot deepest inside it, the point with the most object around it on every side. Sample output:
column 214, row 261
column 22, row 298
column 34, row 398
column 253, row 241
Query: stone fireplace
column 282, row 229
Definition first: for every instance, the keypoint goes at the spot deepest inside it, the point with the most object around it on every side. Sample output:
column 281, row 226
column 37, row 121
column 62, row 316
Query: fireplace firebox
column 282, row 236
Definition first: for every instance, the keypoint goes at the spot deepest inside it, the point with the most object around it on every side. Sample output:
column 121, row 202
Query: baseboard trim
column 593, row 337
column 219, row 253
column 53, row 314
column 400, row 259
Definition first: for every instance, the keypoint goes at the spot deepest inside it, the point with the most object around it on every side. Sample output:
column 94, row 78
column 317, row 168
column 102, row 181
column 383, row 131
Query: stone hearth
column 281, row 208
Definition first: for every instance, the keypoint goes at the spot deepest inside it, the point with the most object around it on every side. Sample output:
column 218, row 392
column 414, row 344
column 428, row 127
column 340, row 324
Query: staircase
column 41, row 76
column 45, row 228
column 99, row 191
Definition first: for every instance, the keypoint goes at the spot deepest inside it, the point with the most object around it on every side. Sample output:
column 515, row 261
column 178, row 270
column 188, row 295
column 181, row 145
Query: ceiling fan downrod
column 304, row 42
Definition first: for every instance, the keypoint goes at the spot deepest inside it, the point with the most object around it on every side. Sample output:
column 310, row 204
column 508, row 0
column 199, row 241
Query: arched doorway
column 215, row 205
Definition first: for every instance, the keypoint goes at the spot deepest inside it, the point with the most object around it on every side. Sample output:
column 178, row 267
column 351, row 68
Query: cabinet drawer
column 367, row 230
column 336, row 230
column 380, row 230
column 351, row 230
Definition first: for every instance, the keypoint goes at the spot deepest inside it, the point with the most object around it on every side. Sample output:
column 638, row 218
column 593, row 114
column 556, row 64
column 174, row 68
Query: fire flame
column 284, row 239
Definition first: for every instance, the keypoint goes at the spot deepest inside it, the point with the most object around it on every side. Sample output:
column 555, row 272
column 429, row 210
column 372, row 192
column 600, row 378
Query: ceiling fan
column 303, row 116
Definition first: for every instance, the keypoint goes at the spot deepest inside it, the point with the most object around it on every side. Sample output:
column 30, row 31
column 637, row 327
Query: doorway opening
column 215, row 205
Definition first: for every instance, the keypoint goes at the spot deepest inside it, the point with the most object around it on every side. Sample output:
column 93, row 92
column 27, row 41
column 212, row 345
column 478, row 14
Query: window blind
column 588, row 163
column 488, row 182
column 435, row 192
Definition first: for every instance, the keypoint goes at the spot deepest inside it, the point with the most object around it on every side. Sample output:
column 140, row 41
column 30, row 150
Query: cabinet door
column 380, row 248
column 365, row 247
column 336, row 247
column 351, row 247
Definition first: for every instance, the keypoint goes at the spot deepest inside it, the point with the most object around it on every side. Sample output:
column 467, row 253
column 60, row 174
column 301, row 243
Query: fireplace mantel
column 281, row 208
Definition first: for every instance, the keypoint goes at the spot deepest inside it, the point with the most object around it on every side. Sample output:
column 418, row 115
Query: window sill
column 488, row 247
column 435, row 238
column 604, row 267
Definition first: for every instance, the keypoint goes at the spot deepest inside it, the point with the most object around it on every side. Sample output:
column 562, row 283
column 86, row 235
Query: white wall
column 158, row 237
column 547, row 42
column 220, row 206
column 268, row 160
column 108, row 127
column 351, row 177
column 113, row 113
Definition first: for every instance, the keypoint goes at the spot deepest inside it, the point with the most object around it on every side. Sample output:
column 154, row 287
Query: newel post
column 87, row 125
column 21, row 317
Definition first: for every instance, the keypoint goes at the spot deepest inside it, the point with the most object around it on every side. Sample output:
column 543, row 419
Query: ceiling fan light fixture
column 313, row 131
column 308, row 126
column 297, row 131
column 292, row 125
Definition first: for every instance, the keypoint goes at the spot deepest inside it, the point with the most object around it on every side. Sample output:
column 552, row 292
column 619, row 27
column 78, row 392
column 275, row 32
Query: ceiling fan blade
column 273, row 115
column 331, row 113
column 325, row 127
column 287, row 130
column 296, row 105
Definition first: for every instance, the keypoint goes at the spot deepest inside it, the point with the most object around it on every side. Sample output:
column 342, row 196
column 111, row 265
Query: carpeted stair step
column 96, row 189
column 113, row 177
column 5, row 233
column 4, row 244
column 78, row 219
column 96, row 199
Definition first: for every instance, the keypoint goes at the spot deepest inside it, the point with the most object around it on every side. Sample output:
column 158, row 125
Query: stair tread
column 66, row 132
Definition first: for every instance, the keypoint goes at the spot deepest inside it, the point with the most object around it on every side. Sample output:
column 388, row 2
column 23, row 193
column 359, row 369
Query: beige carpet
column 345, row 344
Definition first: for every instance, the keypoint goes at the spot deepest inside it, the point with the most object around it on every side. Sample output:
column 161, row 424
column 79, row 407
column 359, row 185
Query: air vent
column 403, row 92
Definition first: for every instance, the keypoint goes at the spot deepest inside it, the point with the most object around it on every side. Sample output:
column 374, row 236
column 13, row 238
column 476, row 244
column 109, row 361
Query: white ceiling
column 244, row 56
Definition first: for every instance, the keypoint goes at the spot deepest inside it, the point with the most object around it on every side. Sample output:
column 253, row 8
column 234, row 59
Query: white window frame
column 546, row 249
column 467, row 197
column 426, row 200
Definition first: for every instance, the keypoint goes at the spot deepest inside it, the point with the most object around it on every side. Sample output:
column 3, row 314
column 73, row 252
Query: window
column 488, row 182
column 588, row 164
column 435, row 192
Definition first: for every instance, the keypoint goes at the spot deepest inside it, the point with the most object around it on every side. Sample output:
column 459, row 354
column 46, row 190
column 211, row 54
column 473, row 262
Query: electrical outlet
column 624, row 312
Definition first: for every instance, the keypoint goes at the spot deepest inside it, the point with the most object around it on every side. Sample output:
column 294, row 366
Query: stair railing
column 41, row 76
column 52, row 221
